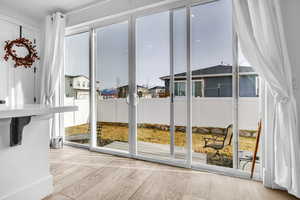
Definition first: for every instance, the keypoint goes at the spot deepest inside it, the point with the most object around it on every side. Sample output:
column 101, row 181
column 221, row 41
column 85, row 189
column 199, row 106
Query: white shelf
column 7, row 111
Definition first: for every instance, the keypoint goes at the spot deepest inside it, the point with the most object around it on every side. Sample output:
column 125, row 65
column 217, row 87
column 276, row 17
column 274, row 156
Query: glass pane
column 197, row 89
column 249, row 109
column 211, row 61
column 180, row 67
column 179, row 88
column 112, row 86
column 153, row 67
column 77, row 127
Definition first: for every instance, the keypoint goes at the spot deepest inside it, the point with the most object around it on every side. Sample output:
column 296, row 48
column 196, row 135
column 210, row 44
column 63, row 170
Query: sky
column 211, row 44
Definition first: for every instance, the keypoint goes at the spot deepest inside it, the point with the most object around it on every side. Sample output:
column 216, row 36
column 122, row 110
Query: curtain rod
column 61, row 16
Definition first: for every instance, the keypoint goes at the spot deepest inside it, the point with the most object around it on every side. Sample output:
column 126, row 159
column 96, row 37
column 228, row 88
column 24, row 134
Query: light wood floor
column 83, row 175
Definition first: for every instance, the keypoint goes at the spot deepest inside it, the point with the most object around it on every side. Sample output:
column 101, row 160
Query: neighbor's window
column 249, row 85
column 179, row 88
column 197, row 88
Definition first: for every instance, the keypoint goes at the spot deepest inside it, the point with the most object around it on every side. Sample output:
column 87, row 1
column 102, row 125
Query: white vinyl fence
column 206, row 112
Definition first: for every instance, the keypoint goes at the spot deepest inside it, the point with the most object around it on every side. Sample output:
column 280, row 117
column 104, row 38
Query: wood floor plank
column 198, row 186
column 163, row 185
column 68, row 169
column 76, row 177
column 62, row 169
column 132, row 163
column 82, row 186
column 265, row 193
column 123, row 181
column 83, row 175
column 57, row 197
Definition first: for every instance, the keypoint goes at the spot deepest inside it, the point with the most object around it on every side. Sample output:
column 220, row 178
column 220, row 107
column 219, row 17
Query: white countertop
column 7, row 111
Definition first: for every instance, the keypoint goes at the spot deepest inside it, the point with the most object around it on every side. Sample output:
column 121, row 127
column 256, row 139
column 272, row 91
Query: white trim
column 189, row 132
column 135, row 12
column 87, row 7
column 171, row 84
column 224, row 171
column 132, row 87
column 61, row 92
column 169, row 161
column 235, row 101
column 82, row 29
column 36, row 190
column 166, row 161
column 92, row 74
column 77, row 145
column 115, row 152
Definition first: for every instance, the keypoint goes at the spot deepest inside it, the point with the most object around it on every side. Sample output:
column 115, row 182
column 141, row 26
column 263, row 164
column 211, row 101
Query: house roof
column 71, row 76
column 126, row 86
column 214, row 70
column 109, row 92
column 157, row 87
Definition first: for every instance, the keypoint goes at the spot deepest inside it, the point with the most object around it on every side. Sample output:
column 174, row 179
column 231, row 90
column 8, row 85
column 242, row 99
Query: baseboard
column 35, row 191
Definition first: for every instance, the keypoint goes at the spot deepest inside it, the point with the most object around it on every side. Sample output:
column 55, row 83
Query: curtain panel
column 53, row 56
column 53, row 63
column 261, row 35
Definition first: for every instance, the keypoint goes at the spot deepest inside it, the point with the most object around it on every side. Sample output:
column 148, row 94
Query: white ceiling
column 38, row 9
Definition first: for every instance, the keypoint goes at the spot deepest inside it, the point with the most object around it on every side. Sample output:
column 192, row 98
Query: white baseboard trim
column 35, row 191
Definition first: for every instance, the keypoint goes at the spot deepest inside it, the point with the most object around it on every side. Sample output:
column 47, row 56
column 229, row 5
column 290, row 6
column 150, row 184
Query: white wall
column 17, row 84
column 207, row 112
column 24, row 169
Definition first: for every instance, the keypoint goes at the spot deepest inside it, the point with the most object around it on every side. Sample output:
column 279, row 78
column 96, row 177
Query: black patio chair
column 218, row 142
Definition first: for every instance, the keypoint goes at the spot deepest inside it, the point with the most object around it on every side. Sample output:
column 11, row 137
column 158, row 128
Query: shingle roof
column 214, row 70
column 157, row 87
column 75, row 76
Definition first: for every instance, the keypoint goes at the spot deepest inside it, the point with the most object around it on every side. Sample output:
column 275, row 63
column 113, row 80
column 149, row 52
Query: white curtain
column 53, row 56
column 52, row 64
column 258, row 24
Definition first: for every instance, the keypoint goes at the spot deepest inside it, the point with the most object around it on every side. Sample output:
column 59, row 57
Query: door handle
column 127, row 99
column 135, row 99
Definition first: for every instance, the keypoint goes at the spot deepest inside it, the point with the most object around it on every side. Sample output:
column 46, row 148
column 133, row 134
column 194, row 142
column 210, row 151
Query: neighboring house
column 77, row 86
column 216, row 81
column 109, row 93
column 124, row 91
column 158, row 91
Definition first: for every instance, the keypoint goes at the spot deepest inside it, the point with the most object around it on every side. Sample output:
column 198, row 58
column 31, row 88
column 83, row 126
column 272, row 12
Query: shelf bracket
column 17, row 125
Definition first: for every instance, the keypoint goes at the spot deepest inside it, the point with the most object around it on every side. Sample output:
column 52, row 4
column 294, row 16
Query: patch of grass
column 120, row 133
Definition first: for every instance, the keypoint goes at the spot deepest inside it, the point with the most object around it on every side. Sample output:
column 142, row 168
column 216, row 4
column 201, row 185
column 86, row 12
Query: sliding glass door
column 112, row 87
column 249, row 121
column 178, row 82
column 172, row 85
column 212, row 79
column 77, row 87
column 152, row 64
